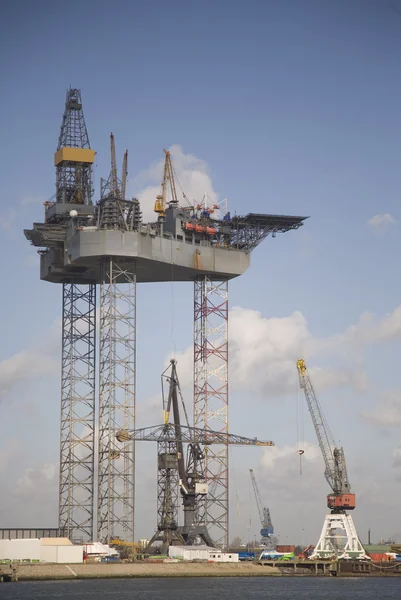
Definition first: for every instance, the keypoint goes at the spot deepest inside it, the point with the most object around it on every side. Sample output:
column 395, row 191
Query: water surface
column 209, row 588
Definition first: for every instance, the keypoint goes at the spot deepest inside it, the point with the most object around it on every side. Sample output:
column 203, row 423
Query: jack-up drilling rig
column 267, row 530
column 84, row 244
column 177, row 475
column 339, row 537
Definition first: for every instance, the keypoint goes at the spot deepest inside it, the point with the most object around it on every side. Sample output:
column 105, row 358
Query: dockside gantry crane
column 180, row 476
column 339, row 537
column 264, row 514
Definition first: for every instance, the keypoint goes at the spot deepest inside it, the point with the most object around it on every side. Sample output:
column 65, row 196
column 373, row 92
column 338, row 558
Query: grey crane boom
column 188, row 434
column 334, row 458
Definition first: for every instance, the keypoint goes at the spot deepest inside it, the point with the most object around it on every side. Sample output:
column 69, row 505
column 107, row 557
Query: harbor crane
column 264, row 514
column 179, row 475
column 339, row 537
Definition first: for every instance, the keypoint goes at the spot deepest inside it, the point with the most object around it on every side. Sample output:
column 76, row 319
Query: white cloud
column 192, row 178
column 388, row 412
column 272, row 457
column 8, row 453
column 397, row 463
column 35, row 479
column 7, row 219
column 30, row 497
column 31, row 364
column 263, row 352
column 370, row 329
column 381, row 222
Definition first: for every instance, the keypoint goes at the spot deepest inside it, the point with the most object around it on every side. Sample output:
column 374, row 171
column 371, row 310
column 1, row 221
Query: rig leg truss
column 211, row 397
column 117, row 366
column 77, row 434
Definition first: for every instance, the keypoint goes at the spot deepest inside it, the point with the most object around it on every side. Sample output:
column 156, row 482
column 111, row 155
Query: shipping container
column 379, row 556
column 285, row 548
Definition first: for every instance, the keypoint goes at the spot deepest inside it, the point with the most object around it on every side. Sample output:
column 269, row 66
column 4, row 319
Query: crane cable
column 300, row 426
column 172, row 327
column 233, row 470
column 180, row 186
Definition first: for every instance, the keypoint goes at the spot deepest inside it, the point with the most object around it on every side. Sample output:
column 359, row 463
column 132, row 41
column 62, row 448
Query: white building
column 98, row 550
column 201, row 553
column 51, row 550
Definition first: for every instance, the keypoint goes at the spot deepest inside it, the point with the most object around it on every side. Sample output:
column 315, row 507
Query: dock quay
column 47, row 571
column 335, row 568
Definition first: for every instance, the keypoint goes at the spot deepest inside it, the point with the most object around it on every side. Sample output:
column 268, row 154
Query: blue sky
column 294, row 109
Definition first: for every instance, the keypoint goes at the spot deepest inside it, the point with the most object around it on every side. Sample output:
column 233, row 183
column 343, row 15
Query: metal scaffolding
column 117, row 366
column 77, row 432
column 211, row 395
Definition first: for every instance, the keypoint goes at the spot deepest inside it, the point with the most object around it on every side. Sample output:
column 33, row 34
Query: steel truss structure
column 73, row 179
column 339, row 539
column 167, row 497
column 77, row 432
column 117, row 366
column 211, row 397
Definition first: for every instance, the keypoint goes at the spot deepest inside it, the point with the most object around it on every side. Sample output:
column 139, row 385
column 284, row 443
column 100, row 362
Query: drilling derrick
column 74, row 157
column 339, row 537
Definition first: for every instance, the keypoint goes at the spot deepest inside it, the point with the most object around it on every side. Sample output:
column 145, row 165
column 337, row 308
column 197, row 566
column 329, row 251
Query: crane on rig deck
column 168, row 176
column 264, row 514
column 331, row 542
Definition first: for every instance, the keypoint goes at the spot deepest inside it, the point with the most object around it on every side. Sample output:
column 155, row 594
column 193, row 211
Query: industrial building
column 50, row 550
column 202, row 553
column 85, row 243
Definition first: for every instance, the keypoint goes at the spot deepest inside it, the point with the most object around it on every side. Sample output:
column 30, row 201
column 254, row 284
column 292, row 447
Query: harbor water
column 213, row 588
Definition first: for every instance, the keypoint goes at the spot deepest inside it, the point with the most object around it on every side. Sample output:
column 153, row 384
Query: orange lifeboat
column 199, row 228
column 190, row 226
column 211, row 230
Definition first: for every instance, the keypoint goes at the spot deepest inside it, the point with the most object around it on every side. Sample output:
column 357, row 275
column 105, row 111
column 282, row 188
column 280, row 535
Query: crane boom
column 171, row 178
column 168, row 177
column 319, row 423
column 188, row 434
column 113, row 173
column 257, row 495
column 264, row 513
column 334, row 458
column 124, row 175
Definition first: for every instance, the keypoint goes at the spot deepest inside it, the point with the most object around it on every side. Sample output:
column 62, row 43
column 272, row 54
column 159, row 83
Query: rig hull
column 156, row 258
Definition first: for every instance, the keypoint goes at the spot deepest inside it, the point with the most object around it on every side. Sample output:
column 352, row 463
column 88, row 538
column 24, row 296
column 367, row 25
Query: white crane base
column 339, row 539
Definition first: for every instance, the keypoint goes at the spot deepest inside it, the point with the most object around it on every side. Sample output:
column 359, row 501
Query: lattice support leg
column 117, row 364
column 211, row 396
column 77, row 431
column 338, row 538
